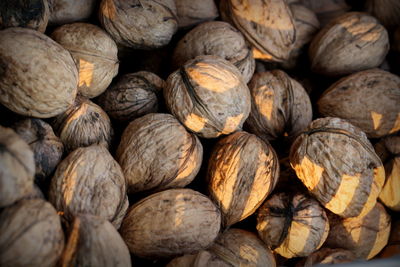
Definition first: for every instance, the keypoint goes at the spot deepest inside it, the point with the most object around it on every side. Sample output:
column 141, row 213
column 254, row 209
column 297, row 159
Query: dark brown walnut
column 32, row 14
column 367, row 99
column 89, row 181
column 330, row 256
column 17, row 167
column 216, row 38
column 339, row 166
column 393, row 246
column 46, row 146
column 292, row 225
column 143, row 24
column 388, row 149
column 38, row 77
column 364, row 236
column 386, row 11
column 208, row 96
column 171, row 223
column 191, row 13
column 350, row 43
column 83, row 124
column 326, row 10
column 67, row 11
column 280, row 107
column 132, row 95
column 267, row 25
column 95, row 55
column 242, row 171
column 30, row 234
column 156, row 152
column 94, row 241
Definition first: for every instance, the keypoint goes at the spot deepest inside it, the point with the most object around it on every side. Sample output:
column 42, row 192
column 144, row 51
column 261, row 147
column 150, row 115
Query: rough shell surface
column 367, row 99
column 208, row 96
column 89, row 181
column 191, row 12
column 242, row 171
column 95, row 55
column 339, row 166
column 38, row 77
column 171, row 223
column 30, row 234
column 67, row 11
column 330, row 256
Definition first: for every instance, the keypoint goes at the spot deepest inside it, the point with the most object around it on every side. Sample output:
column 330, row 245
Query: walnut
column 89, row 181
column 38, row 76
column 17, row 167
column 330, row 256
column 208, row 95
column 30, row 234
column 156, row 152
column 386, row 11
column 95, row 55
column 67, row 11
column 367, row 99
column 171, row 223
column 393, row 246
column 242, row 171
column 191, row 13
column 292, row 225
column 326, row 10
column 339, row 166
column 349, row 43
column 131, row 96
column 203, row 258
column 144, row 24
column 216, row 38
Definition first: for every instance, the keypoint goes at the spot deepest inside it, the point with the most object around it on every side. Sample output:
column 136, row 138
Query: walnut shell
column 330, row 256
column 30, row 234
column 326, row 10
column 292, row 225
column 89, row 181
column 95, row 55
column 32, row 14
column 279, row 106
column 171, row 223
column 242, row 171
column 131, row 96
column 203, row 258
column 46, row 146
column 38, row 76
column 94, row 241
column 191, row 13
column 386, row 11
column 17, row 167
column 83, row 124
column 268, row 25
column 350, row 43
column 216, row 38
column 208, row 96
column 339, row 166
column 67, row 11
column 144, row 24
column 367, row 99
column 364, row 236
column 156, row 152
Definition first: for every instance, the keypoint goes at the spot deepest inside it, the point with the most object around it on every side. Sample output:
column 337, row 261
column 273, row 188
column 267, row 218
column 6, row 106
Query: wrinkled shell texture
column 326, row 10
column 386, row 11
column 242, row 171
column 170, row 223
column 216, row 38
column 339, row 166
column 30, row 234
column 145, row 24
column 364, row 236
column 350, row 43
column 84, row 124
column 267, row 25
column 208, row 96
column 67, row 11
column 94, row 241
column 46, row 146
column 194, row 12
column 367, row 99
column 17, row 167
column 89, row 181
column 38, row 77
column 95, row 55
column 32, row 14
column 279, row 106
column 293, row 226
column 132, row 95
column 156, row 152
column 330, row 256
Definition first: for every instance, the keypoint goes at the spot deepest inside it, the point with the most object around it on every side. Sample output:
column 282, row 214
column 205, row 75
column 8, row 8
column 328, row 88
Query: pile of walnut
column 199, row 133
